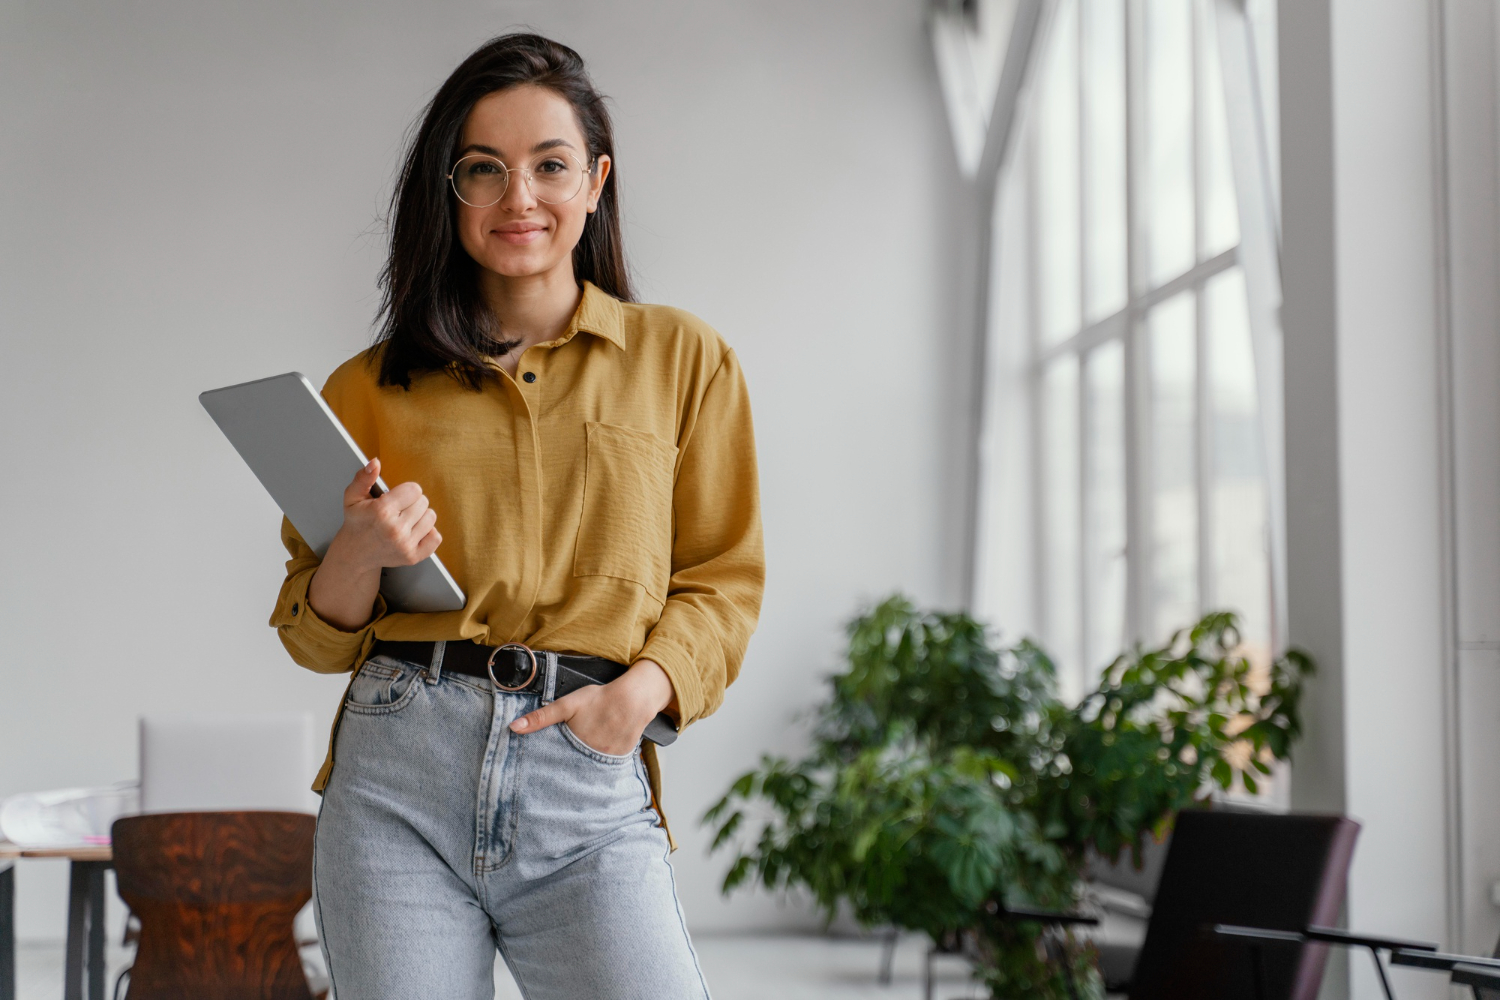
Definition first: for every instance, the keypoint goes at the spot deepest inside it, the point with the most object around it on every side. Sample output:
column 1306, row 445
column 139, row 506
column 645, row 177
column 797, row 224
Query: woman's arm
column 718, row 557
column 327, row 607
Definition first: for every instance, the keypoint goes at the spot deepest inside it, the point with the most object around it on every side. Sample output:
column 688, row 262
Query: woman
column 592, row 463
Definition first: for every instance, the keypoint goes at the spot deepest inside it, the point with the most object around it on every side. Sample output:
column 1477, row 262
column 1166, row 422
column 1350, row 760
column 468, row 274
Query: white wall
column 190, row 195
column 1389, row 464
column 1389, row 137
column 1473, row 182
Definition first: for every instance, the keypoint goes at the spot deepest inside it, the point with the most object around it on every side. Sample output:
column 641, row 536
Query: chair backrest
column 192, row 763
column 1256, row 869
column 216, row 893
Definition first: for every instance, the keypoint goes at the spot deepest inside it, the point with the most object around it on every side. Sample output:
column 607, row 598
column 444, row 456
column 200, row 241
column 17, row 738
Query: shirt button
column 529, row 377
column 295, row 608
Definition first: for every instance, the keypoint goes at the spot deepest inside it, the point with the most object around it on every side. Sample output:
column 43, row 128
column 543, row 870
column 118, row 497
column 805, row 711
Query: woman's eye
column 551, row 167
column 484, row 167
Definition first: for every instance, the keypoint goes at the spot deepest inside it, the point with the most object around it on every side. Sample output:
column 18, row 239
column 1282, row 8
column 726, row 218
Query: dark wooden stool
column 216, row 893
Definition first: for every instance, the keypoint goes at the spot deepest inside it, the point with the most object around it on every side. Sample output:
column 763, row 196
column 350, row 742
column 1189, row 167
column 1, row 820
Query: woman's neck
column 532, row 309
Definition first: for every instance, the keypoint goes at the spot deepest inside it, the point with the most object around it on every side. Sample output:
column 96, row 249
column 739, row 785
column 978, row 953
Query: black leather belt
column 519, row 669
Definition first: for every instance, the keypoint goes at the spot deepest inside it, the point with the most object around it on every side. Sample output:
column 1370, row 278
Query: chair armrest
column 1465, row 974
column 1438, row 961
column 1413, row 951
column 1000, row 911
column 1257, row 933
column 1335, row 935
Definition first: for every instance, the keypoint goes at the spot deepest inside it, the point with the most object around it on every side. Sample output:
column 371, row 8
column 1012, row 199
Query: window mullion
column 1137, row 382
column 1085, row 539
column 1098, row 332
column 1042, row 609
column 1259, row 254
column 1195, row 141
column 1086, row 485
column 1202, row 436
column 1202, row 451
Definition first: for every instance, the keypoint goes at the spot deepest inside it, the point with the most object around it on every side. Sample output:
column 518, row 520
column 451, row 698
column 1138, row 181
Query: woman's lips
column 519, row 237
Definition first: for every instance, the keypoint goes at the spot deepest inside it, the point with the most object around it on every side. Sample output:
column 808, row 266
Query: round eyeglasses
column 481, row 180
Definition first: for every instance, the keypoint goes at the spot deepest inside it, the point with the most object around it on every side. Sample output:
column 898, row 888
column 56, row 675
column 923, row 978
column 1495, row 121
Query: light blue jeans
column 443, row 835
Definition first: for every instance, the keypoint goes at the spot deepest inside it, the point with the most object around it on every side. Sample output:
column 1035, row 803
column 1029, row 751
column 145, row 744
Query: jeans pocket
column 383, row 686
column 590, row 752
column 572, row 799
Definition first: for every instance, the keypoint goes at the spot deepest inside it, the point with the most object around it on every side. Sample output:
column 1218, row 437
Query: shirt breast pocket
column 626, row 527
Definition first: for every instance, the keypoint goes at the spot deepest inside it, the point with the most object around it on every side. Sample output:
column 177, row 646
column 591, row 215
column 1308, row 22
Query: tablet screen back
column 305, row 459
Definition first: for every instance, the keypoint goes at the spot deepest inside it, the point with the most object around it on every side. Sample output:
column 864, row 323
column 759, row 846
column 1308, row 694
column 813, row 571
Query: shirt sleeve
column 314, row 643
column 718, row 557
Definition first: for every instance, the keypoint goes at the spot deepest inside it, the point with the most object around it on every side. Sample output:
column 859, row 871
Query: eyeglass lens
column 480, row 181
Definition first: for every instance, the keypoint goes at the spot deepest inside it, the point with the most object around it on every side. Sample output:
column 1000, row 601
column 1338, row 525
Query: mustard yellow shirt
column 609, row 506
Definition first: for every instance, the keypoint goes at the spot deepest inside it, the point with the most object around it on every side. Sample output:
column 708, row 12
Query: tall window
column 1121, row 300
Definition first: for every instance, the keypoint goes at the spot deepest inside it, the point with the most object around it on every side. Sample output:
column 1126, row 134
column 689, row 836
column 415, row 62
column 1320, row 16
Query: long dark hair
column 432, row 316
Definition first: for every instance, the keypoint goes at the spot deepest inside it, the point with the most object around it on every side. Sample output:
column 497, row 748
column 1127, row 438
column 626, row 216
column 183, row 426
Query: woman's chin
column 518, row 265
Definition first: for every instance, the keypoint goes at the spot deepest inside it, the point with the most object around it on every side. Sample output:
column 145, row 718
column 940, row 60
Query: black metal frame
column 1476, row 976
column 888, row 941
column 7, row 930
column 1463, row 970
column 84, row 966
column 85, row 951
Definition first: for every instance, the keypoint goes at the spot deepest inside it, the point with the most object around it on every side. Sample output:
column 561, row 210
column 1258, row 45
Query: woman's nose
column 518, row 197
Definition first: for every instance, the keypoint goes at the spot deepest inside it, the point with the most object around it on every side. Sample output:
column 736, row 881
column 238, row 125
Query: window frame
column 1219, row 23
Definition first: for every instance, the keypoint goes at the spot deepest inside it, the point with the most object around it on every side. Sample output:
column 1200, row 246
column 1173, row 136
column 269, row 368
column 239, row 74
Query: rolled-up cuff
column 682, row 671
column 313, row 642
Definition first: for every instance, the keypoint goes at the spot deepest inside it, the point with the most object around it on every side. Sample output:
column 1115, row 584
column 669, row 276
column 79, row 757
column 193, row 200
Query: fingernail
column 369, row 465
column 518, row 725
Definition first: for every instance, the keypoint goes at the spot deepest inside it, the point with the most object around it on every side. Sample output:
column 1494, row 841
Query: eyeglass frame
column 588, row 171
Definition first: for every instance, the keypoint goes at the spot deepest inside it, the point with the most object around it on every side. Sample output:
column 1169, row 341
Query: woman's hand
column 608, row 717
column 394, row 529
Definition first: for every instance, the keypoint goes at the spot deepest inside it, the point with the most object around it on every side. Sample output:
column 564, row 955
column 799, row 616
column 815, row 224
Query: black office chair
column 1278, row 871
column 1233, row 867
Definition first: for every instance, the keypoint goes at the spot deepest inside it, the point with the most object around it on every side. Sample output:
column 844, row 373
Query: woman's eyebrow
column 475, row 147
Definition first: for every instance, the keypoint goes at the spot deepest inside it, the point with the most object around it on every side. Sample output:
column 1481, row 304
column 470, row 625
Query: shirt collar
column 599, row 313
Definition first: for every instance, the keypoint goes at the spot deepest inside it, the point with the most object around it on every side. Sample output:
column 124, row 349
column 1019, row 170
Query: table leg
column 84, row 967
column 97, row 970
column 7, row 931
column 77, row 919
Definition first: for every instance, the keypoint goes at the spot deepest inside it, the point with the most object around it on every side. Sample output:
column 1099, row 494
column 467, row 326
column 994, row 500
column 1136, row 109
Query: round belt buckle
column 489, row 666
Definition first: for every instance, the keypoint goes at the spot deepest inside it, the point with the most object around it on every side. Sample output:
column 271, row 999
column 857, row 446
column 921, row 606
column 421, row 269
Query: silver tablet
column 305, row 459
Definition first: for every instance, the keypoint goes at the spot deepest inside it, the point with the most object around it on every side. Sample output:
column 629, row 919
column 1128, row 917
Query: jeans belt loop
column 549, row 683
column 435, row 668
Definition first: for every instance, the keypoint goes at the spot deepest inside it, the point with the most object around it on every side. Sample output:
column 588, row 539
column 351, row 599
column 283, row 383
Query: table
column 85, row 950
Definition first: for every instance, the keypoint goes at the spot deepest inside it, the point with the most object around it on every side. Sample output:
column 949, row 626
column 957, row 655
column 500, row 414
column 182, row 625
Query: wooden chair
column 216, row 893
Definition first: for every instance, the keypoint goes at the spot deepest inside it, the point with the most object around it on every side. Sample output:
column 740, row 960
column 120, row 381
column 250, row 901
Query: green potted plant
column 946, row 773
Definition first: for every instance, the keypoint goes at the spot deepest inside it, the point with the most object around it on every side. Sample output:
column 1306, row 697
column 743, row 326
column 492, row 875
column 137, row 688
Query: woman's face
column 531, row 130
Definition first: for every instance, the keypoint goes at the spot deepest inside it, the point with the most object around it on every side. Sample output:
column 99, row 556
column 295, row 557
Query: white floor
column 738, row 967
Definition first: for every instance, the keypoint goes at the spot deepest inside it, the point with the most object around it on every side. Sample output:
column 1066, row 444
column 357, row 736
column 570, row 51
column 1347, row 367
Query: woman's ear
column 596, row 182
